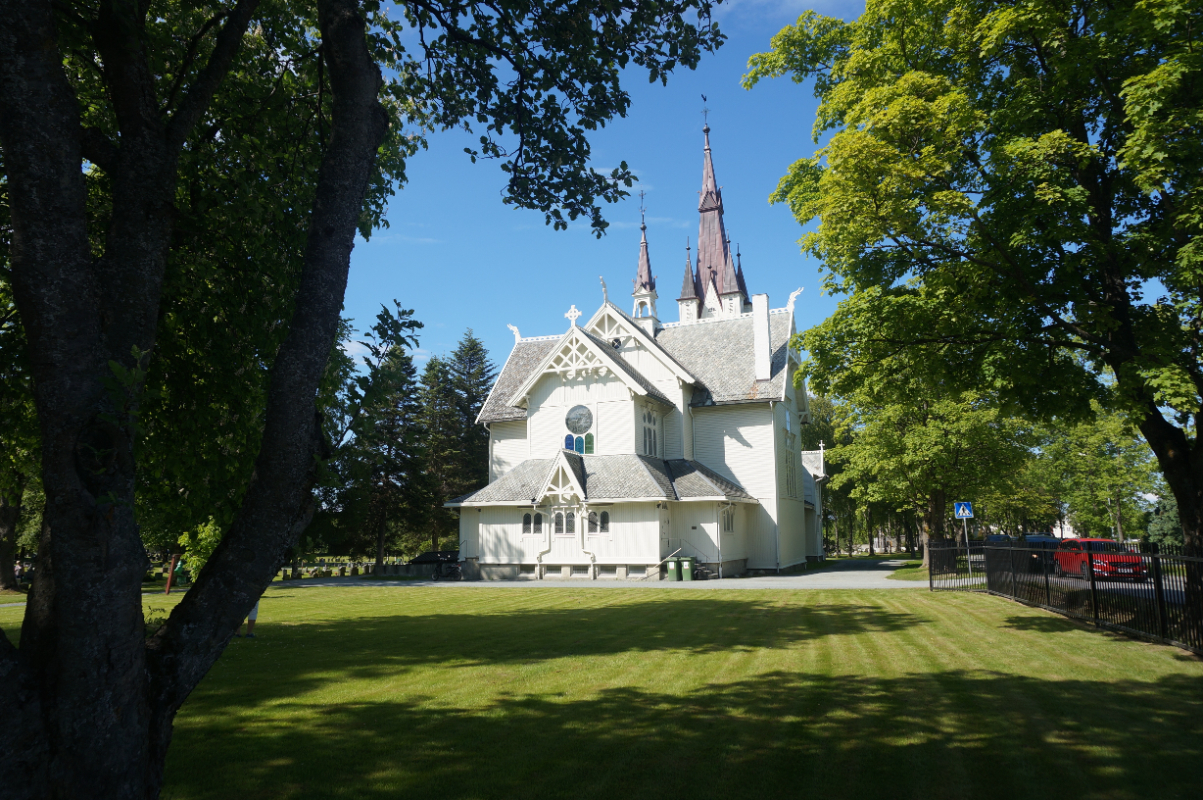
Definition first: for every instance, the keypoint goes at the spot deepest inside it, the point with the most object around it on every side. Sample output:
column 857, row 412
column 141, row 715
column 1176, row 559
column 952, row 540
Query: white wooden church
column 627, row 439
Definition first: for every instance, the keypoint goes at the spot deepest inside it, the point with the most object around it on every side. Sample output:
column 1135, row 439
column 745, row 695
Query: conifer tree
column 472, row 376
column 442, row 430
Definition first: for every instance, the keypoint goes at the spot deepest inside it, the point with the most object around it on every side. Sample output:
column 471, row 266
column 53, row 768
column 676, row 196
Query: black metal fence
column 1151, row 592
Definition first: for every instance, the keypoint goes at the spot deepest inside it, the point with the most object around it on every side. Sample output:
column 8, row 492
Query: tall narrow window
column 538, row 523
column 559, row 522
column 526, row 521
column 580, row 444
column 568, row 442
column 588, row 444
column 605, row 522
column 571, row 522
column 649, row 433
column 592, row 522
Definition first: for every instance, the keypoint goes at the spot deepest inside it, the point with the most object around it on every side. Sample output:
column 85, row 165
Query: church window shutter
column 559, row 522
column 605, row 522
column 571, row 522
column 538, row 523
column 526, row 521
column 588, row 444
column 592, row 522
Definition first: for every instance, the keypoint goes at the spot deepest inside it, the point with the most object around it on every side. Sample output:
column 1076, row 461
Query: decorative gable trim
column 576, row 353
column 561, row 486
column 609, row 318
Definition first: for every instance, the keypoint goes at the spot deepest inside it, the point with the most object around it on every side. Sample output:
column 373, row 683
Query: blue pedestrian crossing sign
column 963, row 510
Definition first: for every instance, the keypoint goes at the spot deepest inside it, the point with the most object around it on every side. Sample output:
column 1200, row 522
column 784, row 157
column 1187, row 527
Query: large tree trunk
column 10, row 515
column 87, row 704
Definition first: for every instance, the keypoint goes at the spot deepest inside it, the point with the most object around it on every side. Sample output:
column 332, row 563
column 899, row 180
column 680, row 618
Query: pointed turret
column 688, row 302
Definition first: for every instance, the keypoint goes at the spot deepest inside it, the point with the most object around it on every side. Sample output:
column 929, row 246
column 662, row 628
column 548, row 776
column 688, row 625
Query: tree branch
column 276, row 502
column 196, row 101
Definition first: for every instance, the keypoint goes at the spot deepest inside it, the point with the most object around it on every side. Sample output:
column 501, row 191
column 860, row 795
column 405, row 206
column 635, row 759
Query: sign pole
column 968, row 555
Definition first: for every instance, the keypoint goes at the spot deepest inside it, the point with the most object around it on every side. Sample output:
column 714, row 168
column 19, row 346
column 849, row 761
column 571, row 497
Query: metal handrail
column 666, row 558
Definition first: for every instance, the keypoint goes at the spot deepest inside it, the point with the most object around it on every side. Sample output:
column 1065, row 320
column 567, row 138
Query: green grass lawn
column 362, row 692
column 910, row 571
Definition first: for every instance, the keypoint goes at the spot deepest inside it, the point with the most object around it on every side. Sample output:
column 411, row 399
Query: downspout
column 583, row 513
column 721, row 508
column 776, row 491
column 547, row 523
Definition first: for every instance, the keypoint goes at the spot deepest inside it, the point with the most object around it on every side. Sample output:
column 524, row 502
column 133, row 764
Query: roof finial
column 605, row 292
column 642, row 211
column 573, row 315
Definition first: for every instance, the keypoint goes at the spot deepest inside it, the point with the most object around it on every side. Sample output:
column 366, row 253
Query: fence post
column 1159, row 593
column 1048, row 590
column 1013, row 592
column 1094, row 594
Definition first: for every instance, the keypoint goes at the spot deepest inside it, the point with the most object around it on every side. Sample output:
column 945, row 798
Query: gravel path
column 856, row 574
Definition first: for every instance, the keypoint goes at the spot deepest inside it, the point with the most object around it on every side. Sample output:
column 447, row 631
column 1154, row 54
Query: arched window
column 580, row 444
column 571, row 522
column 538, row 523
column 592, row 522
column 568, row 442
column 605, row 522
column 588, row 444
column 526, row 520
column 559, row 522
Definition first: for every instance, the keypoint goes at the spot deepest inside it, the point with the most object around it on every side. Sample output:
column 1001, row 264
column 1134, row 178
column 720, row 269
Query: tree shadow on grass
column 380, row 646
column 933, row 735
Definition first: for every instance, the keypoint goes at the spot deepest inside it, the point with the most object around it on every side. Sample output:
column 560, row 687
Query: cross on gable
column 573, row 315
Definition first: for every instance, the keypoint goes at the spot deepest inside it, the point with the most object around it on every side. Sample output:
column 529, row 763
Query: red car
column 1111, row 560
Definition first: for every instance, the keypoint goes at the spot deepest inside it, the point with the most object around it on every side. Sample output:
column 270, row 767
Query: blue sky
column 461, row 259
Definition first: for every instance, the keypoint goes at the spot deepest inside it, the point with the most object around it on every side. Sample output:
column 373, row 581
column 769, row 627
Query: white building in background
column 627, row 439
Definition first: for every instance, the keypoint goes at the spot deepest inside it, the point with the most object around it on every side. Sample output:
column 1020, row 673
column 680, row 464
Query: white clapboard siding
column 615, row 424
column 791, row 526
column 737, row 441
column 509, row 447
column 469, row 541
column 552, row 398
column 633, row 537
column 671, row 443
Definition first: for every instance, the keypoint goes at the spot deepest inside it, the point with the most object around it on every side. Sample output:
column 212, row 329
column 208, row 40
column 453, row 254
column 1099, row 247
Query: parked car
column 1041, row 551
column 1111, row 560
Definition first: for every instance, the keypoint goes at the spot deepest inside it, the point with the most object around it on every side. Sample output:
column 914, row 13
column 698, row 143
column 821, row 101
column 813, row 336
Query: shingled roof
column 719, row 353
column 524, row 359
column 611, row 478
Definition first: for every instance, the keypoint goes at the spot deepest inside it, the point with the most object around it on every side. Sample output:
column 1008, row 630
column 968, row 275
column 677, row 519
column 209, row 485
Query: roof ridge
column 652, row 477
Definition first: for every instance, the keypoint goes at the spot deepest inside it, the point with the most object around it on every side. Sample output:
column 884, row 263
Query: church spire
column 643, row 277
column 714, row 251
column 644, row 309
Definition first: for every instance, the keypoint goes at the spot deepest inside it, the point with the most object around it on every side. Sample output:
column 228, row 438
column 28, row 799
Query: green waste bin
column 687, row 568
column 674, row 569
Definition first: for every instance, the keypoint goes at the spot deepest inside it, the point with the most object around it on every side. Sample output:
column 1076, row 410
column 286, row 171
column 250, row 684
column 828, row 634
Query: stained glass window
column 559, row 523
column 605, row 522
column 592, row 522
column 571, row 522
column 588, row 444
column 526, row 520
column 538, row 523
column 568, row 442
column 580, row 444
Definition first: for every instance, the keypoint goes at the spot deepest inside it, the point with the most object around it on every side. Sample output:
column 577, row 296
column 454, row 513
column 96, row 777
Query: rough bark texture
column 102, row 731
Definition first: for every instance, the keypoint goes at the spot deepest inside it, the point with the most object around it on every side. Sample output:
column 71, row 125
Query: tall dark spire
column 643, row 277
column 714, row 251
column 689, row 286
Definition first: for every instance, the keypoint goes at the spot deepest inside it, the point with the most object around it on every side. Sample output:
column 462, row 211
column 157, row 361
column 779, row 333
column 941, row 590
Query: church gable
column 612, row 326
column 579, row 355
column 565, row 483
